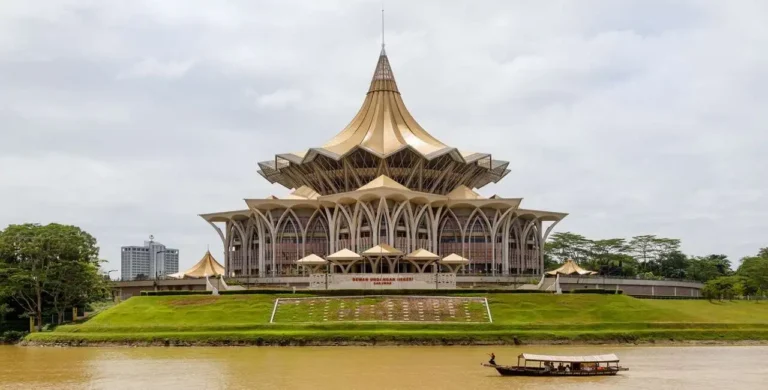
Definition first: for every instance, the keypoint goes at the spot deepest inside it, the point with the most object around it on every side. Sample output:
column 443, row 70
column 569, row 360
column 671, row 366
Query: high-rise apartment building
column 150, row 261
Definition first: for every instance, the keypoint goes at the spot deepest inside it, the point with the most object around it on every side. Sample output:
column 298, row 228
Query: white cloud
column 635, row 117
column 281, row 98
column 150, row 67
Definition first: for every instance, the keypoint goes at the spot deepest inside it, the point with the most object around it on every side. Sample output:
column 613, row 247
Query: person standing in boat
column 493, row 359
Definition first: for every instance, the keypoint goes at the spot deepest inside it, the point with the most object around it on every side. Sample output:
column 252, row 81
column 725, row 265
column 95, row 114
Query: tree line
column 46, row 270
column 653, row 257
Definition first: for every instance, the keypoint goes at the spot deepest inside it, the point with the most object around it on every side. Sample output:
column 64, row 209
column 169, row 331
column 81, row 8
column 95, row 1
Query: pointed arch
column 317, row 236
column 365, row 227
column 401, row 229
column 450, row 236
column 515, row 245
column 234, row 247
column 478, row 243
column 253, row 245
column 382, row 224
column 288, row 244
column 421, row 232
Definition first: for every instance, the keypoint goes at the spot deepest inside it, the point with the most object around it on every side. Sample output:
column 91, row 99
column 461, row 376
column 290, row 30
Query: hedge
column 383, row 292
column 172, row 292
column 595, row 291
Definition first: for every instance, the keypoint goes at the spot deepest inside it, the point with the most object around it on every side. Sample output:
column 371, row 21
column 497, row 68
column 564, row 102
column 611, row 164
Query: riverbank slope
column 517, row 319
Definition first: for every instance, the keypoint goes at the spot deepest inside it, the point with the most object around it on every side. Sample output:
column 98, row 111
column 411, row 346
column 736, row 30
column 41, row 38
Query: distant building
column 148, row 262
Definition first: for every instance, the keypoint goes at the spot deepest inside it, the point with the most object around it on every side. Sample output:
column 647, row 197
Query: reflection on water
column 366, row 368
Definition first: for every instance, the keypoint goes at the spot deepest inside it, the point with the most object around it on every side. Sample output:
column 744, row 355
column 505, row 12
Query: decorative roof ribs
column 383, row 139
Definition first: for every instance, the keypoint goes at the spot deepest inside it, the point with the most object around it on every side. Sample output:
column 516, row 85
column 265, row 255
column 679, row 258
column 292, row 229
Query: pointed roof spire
column 382, row 26
column 383, row 78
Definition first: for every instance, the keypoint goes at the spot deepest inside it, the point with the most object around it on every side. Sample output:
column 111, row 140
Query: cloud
column 636, row 117
column 278, row 99
column 151, row 67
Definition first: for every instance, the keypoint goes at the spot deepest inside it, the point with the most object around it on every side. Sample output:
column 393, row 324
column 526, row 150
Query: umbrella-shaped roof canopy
column 454, row 259
column 344, row 254
column 207, row 266
column 570, row 268
column 383, row 250
column 422, row 254
column 311, row 259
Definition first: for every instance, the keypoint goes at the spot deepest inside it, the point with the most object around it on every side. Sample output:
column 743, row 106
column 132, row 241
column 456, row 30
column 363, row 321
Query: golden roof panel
column 383, row 181
column 570, row 268
column 463, row 192
column 344, row 254
column 382, row 250
column 207, row 266
column 311, row 259
column 422, row 254
column 454, row 259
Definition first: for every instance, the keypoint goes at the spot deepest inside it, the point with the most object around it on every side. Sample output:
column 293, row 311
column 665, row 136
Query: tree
column 724, row 287
column 648, row 250
column 673, row 264
column 564, row 246
column 763, row 252
column 706, row 268
column 755, row 272
column 649, row 247
column 37, row 261
column 549, row 262
column 75, row 283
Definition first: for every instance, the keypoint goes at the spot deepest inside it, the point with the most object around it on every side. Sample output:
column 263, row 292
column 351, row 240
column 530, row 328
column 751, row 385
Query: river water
column 335, row 368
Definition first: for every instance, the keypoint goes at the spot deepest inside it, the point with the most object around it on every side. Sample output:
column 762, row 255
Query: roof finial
column 382, row 25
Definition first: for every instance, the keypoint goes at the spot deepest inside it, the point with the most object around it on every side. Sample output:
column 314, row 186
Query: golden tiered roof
column 383, row 127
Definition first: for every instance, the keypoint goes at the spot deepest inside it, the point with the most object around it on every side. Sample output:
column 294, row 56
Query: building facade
column 151, row 261
column 383, row 180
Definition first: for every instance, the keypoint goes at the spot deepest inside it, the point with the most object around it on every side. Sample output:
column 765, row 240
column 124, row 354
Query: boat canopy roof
column 610, row 358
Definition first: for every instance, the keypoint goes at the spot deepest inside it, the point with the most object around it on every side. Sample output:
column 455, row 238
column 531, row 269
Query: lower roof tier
column 383, row 192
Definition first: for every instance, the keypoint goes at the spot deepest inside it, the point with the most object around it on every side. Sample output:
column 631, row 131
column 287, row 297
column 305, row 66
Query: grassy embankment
column 517, row 318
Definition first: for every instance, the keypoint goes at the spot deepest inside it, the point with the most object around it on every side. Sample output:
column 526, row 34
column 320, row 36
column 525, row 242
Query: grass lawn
column 244, row 319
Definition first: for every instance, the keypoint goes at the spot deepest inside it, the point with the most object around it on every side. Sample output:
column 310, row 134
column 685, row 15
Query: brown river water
column 334, row 368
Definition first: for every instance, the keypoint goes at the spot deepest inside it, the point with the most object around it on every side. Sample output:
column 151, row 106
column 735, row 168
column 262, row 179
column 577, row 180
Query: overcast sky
column 129, row 118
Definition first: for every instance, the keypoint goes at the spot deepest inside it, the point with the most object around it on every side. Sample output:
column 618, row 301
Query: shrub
column 12, row 336
column 595, row 291
column 180, row 292
column 384, row 292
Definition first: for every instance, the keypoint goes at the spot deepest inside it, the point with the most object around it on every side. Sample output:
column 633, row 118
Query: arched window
column 236, row 252
column 317, row 237
column 364, row 232
column 383, row 234
column 288, row 246
column 513, row 245
column 402, row 232
column 449, row 234
column 479, row 246
column 253, row 249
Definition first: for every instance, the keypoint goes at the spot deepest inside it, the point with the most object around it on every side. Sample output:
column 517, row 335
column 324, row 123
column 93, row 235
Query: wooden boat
column 549, row 365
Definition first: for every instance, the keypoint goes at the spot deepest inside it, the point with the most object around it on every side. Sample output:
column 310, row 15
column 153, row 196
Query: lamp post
column 109, row 272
